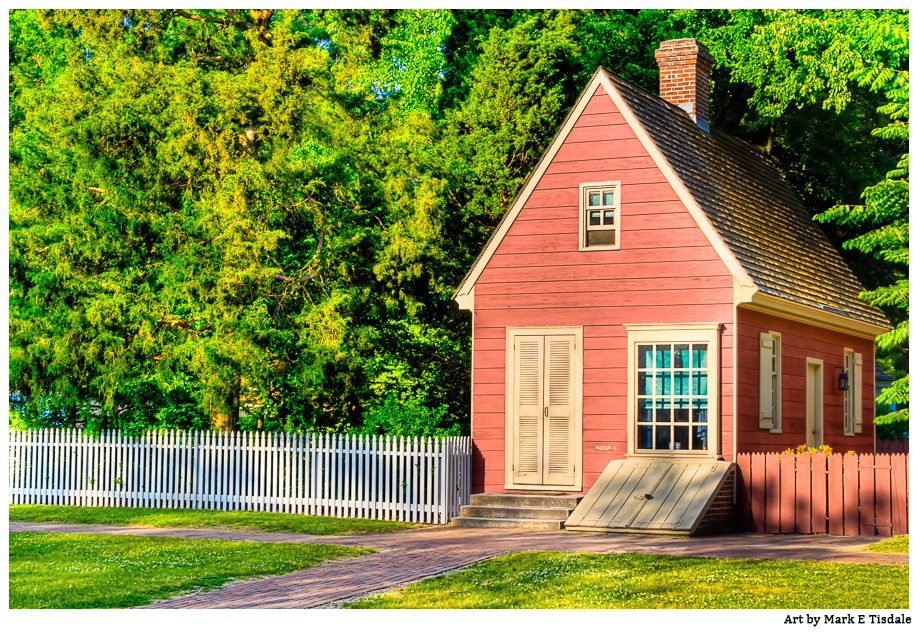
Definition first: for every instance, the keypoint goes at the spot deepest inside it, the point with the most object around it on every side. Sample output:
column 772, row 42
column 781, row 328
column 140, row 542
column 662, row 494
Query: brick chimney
column 685, row 71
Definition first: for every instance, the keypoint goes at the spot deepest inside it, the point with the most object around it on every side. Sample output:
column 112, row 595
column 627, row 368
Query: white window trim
column 769, row 393
column 676, row 333
column 853, row 363
column 616, row 226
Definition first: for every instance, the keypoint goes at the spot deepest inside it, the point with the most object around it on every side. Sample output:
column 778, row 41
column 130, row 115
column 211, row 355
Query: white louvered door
column 528, row 356
column 544, row 402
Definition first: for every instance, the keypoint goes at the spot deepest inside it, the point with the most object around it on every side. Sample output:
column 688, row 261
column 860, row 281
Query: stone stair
column 520, row 511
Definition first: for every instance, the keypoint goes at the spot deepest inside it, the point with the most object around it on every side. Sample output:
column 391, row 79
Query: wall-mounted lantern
column 843, row 381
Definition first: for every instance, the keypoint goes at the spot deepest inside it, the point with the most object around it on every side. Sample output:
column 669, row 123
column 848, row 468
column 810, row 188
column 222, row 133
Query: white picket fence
column 414, row 479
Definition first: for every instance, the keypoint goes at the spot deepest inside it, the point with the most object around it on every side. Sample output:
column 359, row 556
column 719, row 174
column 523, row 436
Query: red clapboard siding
column 600, row 166
column 798, row 342
column 800, row 493
column 598, row 150
column 599, row 133
column 642, row 177
column 599, row 286
column 540, row 316
column 659, row 256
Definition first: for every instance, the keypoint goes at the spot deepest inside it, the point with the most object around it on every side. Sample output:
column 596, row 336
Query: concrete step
column 526, row 500
column 515, row 512
column 508, row 523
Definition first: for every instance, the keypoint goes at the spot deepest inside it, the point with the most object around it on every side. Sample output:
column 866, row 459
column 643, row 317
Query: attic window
column 599, row 212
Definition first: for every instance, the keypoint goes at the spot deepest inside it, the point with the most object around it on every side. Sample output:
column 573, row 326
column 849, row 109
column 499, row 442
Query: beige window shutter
column 858, row 383
column 766, row 393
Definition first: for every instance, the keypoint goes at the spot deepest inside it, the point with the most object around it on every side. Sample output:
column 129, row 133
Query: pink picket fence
column 856, row 494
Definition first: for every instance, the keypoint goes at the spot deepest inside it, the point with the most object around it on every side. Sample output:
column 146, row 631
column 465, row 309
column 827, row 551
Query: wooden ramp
column 665, row 496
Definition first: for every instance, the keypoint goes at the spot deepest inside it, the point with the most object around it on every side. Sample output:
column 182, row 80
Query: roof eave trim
column 740, row 276
column 464, row 295
column 791, row 310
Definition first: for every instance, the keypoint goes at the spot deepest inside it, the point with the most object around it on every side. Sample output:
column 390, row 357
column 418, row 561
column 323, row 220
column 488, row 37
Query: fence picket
column 850, row 483
column 866, row 496
column 803, row 476
column 882, row 505
column 835, row 490
column 818, row 511
column 899, row 500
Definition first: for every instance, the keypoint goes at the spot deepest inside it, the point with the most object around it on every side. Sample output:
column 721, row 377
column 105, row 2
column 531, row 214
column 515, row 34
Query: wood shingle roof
column 742, row 203
column 753, row 210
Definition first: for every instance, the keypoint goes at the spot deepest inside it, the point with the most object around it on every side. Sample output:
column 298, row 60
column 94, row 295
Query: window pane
column 700, row 438
column 645, row 356
column 645, row 410
column 680, row 438
column 608, row 198
column 595, row 218
column 664, row 384
column 700, row 411
column 699, row 356
column 663, row 412
column 662, row 439
column 681, row 383
column 594, row 199
column 663, row 356
column 608, row 218
column 681, row 411
column 681, row 356
column 645, row 384
column 700, row 384
column 645, row 437
column 600, row 237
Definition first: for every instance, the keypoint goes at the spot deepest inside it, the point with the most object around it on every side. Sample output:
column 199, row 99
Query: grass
column 895, row 544
column 637, row 580
column 196, row 518
column 76, row 570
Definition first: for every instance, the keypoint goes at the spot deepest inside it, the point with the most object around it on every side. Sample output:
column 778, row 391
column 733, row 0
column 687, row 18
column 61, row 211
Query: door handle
column 546, row 411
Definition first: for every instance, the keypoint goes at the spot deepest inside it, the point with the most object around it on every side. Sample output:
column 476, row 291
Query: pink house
column 657, row 292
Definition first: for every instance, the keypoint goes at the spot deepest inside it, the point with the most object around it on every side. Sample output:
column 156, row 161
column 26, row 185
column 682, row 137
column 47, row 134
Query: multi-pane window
column 672, row 392
column 600, row 210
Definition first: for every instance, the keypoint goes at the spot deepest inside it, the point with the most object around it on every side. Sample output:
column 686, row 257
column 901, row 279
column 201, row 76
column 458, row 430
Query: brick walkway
column 407, row 556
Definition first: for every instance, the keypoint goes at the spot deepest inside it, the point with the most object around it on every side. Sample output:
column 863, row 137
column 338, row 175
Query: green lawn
column 637, row 580
column 75, row 570
column 895, row 544
column 187, row 518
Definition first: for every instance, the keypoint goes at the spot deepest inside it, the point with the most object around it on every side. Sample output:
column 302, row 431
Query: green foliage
column 257, row 218
column 406, row 417
column 79, row 570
